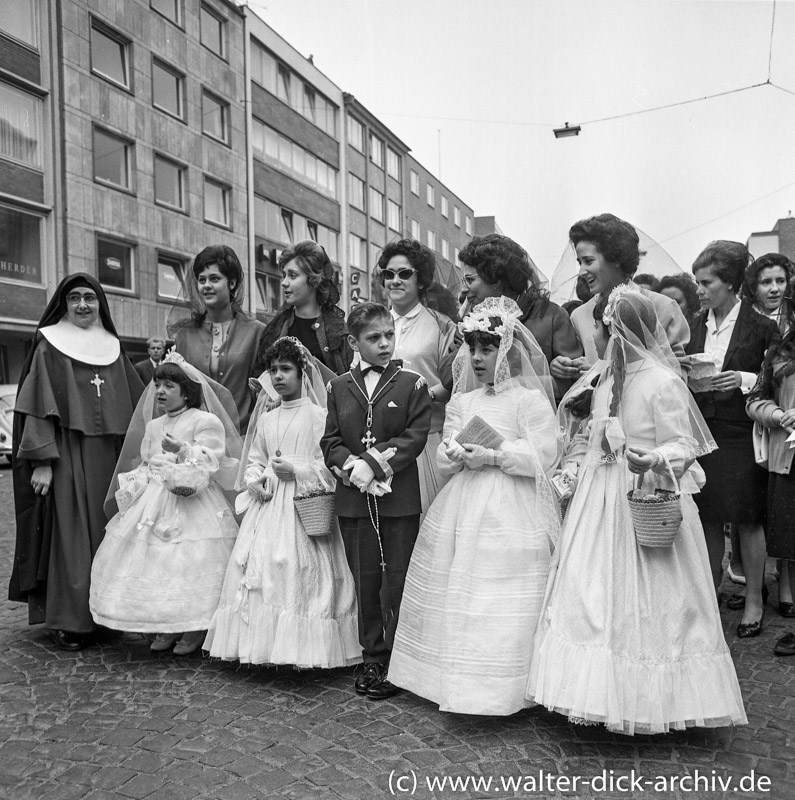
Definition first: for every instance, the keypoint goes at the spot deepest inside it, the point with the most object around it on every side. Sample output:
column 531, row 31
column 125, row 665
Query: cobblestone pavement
column 116, row 722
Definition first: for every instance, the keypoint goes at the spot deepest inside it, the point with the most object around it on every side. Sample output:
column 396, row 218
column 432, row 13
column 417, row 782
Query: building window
column 393, row 163
column 357, row 252
column 20, row 251
column 20, row 126
column 445, row 207
column 457, row 216
column 415, row 229
column 376, row 151
column 23, row 23
column 213, row 31
column 269, row 292
column 110, row 54
column 169, row 183
column 432, row 240
column 356, row 191
column 355, row 133
column 216, row 202
column 430, row 196
column 168, row 8
column 415, row 183
column 112, row 159
column 393, row 215
column 456, row 251
column 376, row 204
column 168, row 89
column 468, row 225
column 263, row 67
column 115, row 264
column 171, row 274
column 215, row 117
column 445, row 249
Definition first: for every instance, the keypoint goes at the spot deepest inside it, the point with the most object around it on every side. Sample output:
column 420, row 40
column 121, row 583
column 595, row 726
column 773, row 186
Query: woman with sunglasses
column 310, row 311
column 425, row 340
column 495, row 265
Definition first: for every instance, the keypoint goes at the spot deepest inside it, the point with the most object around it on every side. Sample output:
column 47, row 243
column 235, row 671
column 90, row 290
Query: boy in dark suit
column 379, row 415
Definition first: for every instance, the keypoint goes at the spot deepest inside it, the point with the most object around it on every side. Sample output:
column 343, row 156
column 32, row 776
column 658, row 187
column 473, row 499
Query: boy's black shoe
column 372, row 672
column 382, row 689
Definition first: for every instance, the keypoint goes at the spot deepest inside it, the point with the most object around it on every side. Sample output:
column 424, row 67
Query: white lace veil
column 216, row 400
column 520, row 363
column 520, row 360
column 312, row 386
column 637, row 339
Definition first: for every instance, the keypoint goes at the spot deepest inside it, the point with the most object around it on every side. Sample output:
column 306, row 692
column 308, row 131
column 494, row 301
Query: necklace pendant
column 278, row 454
column 368, row 440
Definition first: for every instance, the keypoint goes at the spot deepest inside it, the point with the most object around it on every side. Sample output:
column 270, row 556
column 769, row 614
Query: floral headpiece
column 608, row 315
column 299, row 344
column 482, row 317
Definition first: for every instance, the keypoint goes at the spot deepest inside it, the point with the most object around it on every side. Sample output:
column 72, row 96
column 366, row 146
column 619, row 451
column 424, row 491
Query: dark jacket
column 751, row 337
column 331, row 336
column 145, row 370
column 401, row 419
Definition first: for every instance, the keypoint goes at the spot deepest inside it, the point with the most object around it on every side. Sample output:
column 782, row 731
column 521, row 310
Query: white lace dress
column 288, row 598
column 161, row 564
column 630, row 636
column 475, row 584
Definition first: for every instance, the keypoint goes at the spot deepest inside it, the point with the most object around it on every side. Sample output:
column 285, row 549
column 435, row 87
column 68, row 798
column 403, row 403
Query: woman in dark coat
column 310, row 312
column 76, row 396
column 735, row 339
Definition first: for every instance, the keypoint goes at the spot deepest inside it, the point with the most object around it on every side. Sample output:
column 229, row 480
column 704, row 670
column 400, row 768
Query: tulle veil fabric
column 216, row 399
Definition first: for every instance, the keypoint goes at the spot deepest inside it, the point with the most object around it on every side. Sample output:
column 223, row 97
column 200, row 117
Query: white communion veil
column 216, row 400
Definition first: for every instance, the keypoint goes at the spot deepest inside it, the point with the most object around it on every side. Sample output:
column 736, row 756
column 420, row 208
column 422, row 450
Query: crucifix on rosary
column 97, row 381
column 368, row 440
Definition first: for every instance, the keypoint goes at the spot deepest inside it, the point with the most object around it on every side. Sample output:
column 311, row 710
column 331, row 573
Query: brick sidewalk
column 116, row 722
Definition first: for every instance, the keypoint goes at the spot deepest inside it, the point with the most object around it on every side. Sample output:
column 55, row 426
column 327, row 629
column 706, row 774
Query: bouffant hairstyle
column 615, row 239
column 363, row 315
column 649, row 280
column 225, row 258
column 751, row 280
column 168, row 371
column 285, row 349
column 728, row 260
column 316, row 265
column 499, row 261
column 417, row 254
column 687, row 286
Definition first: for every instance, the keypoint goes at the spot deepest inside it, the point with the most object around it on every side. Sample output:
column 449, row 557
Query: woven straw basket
column 656, row 518
column 316, row 513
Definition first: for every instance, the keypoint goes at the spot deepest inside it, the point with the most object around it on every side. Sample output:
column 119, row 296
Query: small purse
column 655, row 518
column 761, row 438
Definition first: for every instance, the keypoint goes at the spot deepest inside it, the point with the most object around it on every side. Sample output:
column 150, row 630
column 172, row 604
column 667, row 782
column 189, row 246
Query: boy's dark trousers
column 378, row 622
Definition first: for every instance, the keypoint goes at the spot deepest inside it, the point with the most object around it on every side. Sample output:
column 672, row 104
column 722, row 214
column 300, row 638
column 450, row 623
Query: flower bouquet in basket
column 314, row 504
column 656, row 516
column 186, row 479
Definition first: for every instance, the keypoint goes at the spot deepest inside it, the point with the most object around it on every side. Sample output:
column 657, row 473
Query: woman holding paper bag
column 735, row 338
column 476, row 579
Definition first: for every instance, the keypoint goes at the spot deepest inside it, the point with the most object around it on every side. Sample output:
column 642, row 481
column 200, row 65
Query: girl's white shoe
column 163, row 642
column 189, row 643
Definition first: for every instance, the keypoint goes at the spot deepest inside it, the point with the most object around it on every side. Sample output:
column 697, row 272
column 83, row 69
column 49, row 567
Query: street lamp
column 568, row 130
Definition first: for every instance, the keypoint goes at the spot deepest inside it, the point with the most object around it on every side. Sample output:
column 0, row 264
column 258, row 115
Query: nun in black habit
column 77, row 393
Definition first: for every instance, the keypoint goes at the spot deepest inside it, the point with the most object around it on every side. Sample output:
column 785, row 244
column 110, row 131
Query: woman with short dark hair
column 219, row 338
column 495, row 265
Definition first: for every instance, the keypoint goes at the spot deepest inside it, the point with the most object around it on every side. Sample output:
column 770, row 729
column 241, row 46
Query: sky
column 475, row 88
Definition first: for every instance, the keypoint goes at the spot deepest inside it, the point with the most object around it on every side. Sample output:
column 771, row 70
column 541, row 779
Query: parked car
column 8, row 396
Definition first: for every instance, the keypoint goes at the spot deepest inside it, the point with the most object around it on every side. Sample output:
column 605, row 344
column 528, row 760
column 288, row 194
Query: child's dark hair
column 363, row 315
column 168, row 371
column 285, row 349
column 580, row 405
column 484, row 338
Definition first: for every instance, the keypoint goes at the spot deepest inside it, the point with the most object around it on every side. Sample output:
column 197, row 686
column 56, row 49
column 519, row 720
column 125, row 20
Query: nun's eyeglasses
column 75, row 298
